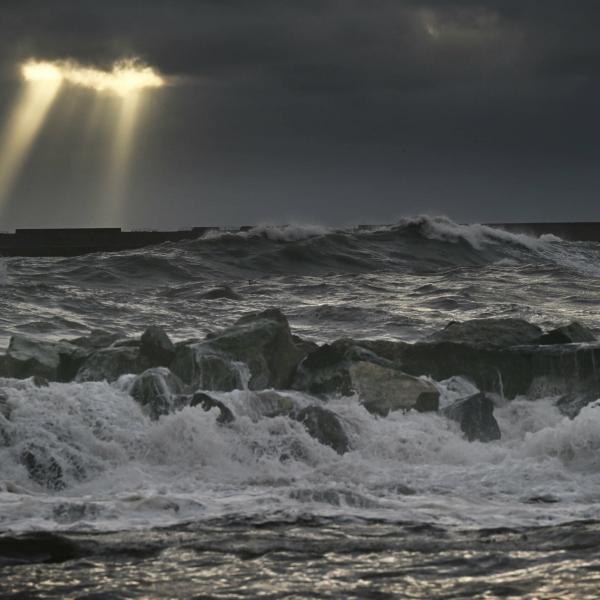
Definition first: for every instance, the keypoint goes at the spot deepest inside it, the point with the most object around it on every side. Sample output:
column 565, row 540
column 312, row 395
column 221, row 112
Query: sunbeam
column 24, row 126
column 121, row 150
column 126, row 80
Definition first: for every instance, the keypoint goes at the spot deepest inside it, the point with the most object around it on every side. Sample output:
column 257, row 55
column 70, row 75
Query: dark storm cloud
column 439, row 101
column 319, row 44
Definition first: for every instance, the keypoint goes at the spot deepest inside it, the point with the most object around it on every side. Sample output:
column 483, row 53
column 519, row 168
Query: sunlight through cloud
column 126, row 81
column 23, row 127
column 126, row 76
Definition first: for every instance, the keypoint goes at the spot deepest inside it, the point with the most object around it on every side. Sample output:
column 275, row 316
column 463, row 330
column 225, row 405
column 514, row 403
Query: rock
column 570, row 405
column 221, row 292
column 262, row 341
column 157, row 347
column 542, row 499
column 108, row 364
column 327, row 369
column 498, row 333
column 306, row 346
column 71, row 360
column 42, row 467
column 533, row 369
column 475, row 416
column 501, row 371
column 50, row 470
column 345, row 368
column 40, row 381
column 328, row 355
column 97, row 339
column 383, row 389
column 126, row 343
column 575, row 333
column 27, row 357
column 269, row 403
column 563, row 369
column 39, row 546
column 207, row 402
column 156, row 390
column 205, row 369
column 324, row 426
column 387, row 349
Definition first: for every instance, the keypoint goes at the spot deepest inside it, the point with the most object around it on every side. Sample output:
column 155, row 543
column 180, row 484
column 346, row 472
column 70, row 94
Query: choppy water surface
column 182, row 505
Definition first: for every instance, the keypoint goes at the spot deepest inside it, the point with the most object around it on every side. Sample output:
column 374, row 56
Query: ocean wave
column 400, row 280
column 420, row 243
column 476, row 235
column 276, row 233
column 412, row 245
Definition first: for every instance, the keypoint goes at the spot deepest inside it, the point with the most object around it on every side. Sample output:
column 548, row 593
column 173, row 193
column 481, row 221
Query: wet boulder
column 570, row 405
column 264, row 343
column 497, row 333
column 560, row 369
column 475, row 415
column 28, row 357
column 326, row 370
column 324, row 425
column 43, row 467
column 156, row 346
column 305, row 346
column 203, row 368
column 156, row 390
column 207, row 402
column 268, row 403
column 388, row 350
column 574, row 333
column 534, row 370
column 98, row 338
column 383, row 389
column 108, row 364
column 527, row 368
column 126, row 342
column 39, row 381
column 223, row 292
column 345, row 367
column 52, row 468
column 504, row 371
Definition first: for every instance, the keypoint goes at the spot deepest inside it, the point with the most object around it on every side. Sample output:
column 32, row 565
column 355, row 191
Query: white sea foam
column 276, row 233
column 122, row 470
column 477, row 235
column 580, row 257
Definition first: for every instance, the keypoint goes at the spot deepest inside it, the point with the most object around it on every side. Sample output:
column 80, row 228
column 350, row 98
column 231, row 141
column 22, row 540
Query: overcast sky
column 332, row 111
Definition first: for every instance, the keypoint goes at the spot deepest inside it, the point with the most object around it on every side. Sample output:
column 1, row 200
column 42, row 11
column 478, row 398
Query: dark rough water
column 181, row 506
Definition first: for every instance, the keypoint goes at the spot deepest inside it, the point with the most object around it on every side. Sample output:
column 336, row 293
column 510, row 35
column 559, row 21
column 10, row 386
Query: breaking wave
column 413, row 245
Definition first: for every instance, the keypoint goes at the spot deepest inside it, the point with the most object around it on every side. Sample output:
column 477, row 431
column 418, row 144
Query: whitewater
column 259, row 506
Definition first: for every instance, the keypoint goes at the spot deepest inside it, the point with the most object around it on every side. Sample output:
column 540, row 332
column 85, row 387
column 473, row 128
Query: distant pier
column 77, row 241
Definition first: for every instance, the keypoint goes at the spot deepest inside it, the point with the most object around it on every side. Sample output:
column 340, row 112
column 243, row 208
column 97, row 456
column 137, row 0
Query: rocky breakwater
column 284, row 376
column 508, row 357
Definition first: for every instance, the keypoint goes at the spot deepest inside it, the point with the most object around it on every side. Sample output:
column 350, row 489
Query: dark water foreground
column 306, row 559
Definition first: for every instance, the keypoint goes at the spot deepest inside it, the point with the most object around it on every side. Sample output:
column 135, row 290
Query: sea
column 183, row 507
